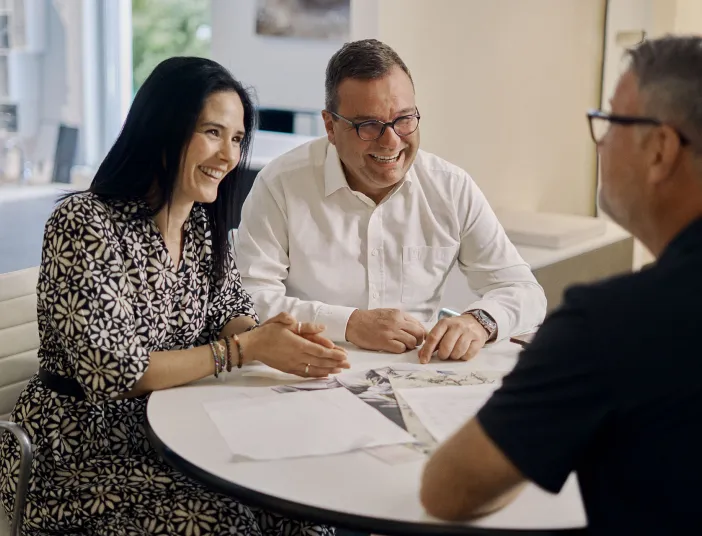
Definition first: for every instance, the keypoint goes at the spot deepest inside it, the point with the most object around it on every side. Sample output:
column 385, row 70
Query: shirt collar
column 335, row 179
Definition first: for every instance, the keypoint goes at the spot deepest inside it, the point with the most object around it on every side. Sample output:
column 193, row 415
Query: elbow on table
column 442, row 499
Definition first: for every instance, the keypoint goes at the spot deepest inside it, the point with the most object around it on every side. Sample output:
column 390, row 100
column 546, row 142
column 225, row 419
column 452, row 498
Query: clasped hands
column 294, row 347
column 391, row 330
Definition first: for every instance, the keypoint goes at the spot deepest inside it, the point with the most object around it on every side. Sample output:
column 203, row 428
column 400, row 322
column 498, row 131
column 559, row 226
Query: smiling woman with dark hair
column 138, row 292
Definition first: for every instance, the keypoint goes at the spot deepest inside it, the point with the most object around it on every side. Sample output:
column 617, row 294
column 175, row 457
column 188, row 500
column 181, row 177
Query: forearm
column 270, row 302
column 179, row 367
column 237, row 326
column 444, row 495
column 468, row 477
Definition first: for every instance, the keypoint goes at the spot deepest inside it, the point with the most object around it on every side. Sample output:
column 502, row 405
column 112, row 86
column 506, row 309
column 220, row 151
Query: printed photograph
column 304, row 19
column 376, row 386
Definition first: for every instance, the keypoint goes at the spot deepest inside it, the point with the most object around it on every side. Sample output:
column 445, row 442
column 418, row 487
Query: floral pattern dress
column 109, row 295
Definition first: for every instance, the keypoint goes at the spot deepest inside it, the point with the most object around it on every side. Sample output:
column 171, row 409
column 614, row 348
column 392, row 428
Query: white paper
column 395, row 454
column 305, row 423
column 443, row 410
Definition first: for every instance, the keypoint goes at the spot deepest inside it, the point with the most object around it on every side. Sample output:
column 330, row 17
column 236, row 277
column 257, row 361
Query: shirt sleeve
column 227, row 300
column 86, row 298
column 261, row 254
column 549, row 408
column 495, row 271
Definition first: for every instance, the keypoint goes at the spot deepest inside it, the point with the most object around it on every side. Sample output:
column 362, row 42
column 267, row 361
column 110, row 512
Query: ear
column 329, row 126
column 664, row 148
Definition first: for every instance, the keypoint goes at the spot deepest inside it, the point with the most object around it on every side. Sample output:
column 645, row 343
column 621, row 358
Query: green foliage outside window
column 165, row 28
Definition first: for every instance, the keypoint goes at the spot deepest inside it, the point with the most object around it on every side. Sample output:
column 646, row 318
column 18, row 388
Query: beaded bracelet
column 229, row 354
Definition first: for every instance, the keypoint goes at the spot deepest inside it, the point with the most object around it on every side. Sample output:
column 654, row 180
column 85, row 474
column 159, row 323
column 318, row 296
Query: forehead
column 224, row 107
column 381, row 97
column 626, row 99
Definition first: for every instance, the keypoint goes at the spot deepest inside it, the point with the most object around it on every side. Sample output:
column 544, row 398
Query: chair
column 19, row 341
column 23, row 482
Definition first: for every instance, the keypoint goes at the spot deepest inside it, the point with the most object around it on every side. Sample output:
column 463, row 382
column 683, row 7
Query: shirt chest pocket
column 424, row 269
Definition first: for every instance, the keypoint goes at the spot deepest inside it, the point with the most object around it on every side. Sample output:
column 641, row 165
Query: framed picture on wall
column 304, row 19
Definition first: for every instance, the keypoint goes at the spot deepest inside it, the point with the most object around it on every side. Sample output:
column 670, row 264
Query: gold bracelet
column 240, row 361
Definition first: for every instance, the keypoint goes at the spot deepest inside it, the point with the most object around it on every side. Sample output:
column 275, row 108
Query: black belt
column 61, row 384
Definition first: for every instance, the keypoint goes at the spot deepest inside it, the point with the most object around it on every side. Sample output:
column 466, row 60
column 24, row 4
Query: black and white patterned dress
column 108, row 295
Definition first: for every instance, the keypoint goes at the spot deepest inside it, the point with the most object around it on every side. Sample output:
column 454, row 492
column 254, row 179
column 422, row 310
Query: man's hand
column 389, row 330
column 459, row 337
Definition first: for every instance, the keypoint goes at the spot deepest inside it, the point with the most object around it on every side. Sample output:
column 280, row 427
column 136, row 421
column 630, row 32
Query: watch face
column 485, row 321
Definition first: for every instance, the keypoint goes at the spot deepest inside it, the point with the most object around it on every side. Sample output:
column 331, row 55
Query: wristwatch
column 484, row 320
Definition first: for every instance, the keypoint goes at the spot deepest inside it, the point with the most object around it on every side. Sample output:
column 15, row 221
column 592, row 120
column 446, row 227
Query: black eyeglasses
column 600, row 122
column 373, row 129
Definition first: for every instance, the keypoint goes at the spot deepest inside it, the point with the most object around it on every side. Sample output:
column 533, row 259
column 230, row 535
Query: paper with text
column 306, row 423
column 443, row 410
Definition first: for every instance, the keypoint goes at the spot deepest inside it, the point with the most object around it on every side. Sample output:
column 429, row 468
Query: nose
column 389, row 139
column 228, row 153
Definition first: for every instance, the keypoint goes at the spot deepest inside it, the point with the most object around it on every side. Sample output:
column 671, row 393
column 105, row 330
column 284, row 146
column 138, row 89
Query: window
column 165, row 28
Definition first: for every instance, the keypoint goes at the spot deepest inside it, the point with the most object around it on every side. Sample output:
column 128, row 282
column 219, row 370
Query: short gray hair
column 669, row 74
column 368, row 59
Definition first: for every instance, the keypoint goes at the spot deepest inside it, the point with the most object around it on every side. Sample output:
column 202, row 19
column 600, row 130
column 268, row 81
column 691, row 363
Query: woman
column 135, row 287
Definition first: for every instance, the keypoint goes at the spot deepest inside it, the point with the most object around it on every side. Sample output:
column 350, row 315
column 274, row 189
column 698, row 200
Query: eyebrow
column 220, row 126
column 403, row 112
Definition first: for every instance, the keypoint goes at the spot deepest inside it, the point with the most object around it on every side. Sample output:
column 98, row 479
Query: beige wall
column 503, row 87
column 656, row 18
column 688, row 16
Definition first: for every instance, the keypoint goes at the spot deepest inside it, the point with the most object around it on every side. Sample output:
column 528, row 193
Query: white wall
column 286, row 73
column 503, row 87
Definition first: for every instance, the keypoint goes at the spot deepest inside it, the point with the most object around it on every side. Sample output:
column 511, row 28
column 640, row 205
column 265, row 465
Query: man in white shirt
column 359, row 230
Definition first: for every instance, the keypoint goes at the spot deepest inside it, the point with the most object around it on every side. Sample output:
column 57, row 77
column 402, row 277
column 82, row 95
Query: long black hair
column 156, row 133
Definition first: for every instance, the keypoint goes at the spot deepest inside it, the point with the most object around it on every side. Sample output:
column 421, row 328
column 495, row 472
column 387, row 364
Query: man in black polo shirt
column 611, row 386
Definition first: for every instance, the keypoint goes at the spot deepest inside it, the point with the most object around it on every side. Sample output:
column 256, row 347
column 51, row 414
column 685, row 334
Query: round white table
column 353, row 490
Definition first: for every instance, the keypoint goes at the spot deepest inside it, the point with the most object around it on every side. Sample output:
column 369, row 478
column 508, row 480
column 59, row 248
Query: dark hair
column 157, row 131
column 669, row 74
column 367, row 59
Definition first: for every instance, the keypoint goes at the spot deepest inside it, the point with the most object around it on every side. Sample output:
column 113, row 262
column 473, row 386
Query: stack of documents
column 443, row 410
column 305, row 423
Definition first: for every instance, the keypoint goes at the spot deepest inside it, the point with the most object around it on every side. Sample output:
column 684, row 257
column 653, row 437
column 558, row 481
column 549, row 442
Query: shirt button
column 376, row 295
column 374, row 252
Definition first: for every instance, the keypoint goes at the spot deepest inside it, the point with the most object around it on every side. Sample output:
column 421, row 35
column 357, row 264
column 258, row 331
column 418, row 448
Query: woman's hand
column 293, row 347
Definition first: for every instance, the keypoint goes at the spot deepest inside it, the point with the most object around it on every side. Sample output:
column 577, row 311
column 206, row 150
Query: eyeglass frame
column 391, row 124
column 629, row 120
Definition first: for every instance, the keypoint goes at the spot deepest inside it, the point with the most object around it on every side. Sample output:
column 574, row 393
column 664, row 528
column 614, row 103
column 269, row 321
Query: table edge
column 301, row 512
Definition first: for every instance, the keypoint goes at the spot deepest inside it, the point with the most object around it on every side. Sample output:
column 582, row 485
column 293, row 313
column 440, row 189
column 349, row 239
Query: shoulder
column 86, row 212
column 611, row 315
column 621, row 293
column 435, row 167
column 446, row 180
column 298, row 162
column 80, row 209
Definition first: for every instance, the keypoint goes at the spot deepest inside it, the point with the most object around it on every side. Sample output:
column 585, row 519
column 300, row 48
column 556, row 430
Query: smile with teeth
column 386, row 159
column 213, row 173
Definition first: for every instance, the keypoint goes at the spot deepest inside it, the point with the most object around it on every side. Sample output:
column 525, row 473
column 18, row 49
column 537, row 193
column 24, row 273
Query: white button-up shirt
column 311, row 246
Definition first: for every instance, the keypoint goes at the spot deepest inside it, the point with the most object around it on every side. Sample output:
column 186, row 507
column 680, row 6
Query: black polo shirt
column 611, row 387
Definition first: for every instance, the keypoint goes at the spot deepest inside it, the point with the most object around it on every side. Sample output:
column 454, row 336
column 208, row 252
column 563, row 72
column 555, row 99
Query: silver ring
column 307, row 369
column 299, row 328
